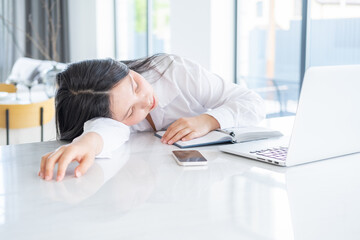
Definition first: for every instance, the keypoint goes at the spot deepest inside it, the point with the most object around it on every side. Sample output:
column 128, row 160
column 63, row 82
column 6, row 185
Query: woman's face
column 132, row 99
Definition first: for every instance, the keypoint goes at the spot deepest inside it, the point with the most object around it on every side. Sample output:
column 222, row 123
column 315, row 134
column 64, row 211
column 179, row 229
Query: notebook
column 230, row 135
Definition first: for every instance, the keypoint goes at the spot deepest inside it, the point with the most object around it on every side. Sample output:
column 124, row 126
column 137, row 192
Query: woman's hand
column 82, row 149
column 185, row 129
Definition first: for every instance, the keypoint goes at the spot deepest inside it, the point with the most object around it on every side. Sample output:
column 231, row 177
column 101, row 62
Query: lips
column 153, row 104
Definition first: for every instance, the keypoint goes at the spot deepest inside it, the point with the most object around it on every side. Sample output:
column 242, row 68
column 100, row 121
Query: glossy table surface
column 141, row 193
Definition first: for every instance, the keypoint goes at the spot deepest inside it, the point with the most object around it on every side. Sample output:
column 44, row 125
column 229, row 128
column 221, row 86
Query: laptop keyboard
column 278, row 153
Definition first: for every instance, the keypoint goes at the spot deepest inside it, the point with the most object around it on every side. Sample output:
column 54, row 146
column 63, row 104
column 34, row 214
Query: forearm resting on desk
column 189, row 128
column 83, row 149
column 91, row 139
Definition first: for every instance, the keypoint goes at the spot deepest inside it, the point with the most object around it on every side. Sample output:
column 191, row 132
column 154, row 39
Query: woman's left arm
column 228, row 104
column 189, row 128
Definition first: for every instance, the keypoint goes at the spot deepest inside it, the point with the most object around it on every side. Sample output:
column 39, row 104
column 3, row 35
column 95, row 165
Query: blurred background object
column 17, row 116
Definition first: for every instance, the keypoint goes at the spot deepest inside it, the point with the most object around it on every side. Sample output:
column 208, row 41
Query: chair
column 28, row 69
column 15, row 116
column 10, row 88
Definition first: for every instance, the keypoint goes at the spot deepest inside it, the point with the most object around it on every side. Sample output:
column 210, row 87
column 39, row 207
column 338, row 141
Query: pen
column 231, row 133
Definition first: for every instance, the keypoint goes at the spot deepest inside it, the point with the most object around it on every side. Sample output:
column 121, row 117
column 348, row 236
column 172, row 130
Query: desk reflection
column 130, row 180
column 311, row 201
column 73, row 190
column 142, row 192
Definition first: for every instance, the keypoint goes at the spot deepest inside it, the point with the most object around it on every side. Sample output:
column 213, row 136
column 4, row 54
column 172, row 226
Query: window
column 134, row 38
column 130, row 17
column 269, row 35
column 333, row 32
column 160, row 34
column 264, row 44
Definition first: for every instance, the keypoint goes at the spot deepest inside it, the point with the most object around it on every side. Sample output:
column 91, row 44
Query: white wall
column 202, row 30
column 82, row 29
column 105, row 36
column 222, row 39
column 190, row 29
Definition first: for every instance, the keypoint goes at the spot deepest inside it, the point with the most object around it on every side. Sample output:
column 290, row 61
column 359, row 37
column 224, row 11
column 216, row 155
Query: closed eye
column 131, row 112
column 133, row 87
column 134, row 84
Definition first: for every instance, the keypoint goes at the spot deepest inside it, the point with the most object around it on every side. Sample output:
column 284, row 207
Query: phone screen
column 189, row 157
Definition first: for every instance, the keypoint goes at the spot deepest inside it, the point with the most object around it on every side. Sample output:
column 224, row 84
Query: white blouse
column 184, row 89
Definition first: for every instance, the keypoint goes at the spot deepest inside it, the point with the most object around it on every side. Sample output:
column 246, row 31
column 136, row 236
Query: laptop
column 327, row 122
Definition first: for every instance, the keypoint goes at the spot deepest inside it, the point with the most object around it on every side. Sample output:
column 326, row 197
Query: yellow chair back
column 10, row 88
column 27, row 115
column 14, row 116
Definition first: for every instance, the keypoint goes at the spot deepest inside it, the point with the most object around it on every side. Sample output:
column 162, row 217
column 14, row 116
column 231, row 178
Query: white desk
column 143, row 194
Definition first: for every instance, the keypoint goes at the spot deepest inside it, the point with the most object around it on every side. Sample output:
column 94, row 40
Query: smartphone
column 189, row 158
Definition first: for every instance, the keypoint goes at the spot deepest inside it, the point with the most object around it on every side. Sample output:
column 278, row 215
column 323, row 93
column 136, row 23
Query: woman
column 99, row 102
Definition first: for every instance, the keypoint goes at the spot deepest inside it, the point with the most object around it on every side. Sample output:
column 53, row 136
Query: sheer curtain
column 12, row 44
column 32, row 28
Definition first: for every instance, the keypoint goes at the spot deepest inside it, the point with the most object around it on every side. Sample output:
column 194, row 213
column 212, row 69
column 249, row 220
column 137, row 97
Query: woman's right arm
column 100, row 137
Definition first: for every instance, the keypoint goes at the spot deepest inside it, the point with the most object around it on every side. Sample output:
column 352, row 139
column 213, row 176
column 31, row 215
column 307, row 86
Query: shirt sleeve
column 230, row 104
column 112, row 132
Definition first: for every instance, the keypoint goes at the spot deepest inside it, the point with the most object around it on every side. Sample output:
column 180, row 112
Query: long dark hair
column 83, row 91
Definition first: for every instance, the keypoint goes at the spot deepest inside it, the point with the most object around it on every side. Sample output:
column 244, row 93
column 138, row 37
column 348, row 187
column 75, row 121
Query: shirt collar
column 166, row 90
